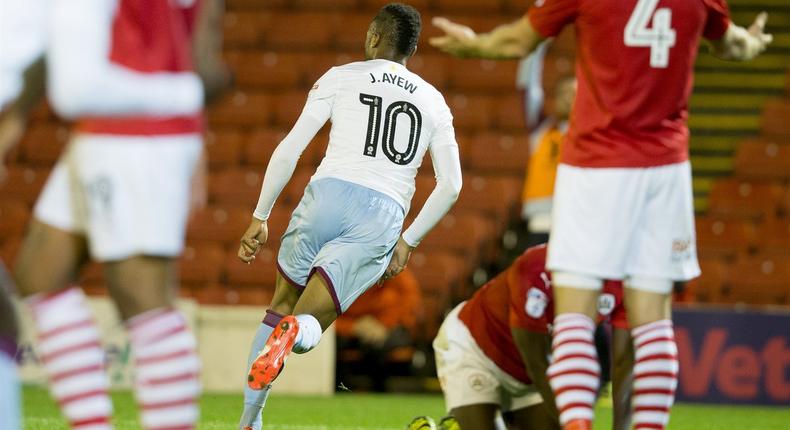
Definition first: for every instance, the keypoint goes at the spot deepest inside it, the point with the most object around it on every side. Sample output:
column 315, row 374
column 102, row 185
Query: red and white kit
column 124, row 179
column 623, row 203
column 476, row 357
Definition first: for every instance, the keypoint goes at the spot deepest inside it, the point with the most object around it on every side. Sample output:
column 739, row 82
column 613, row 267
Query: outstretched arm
column 83, row 81
column 741, row 44
column 509, row 41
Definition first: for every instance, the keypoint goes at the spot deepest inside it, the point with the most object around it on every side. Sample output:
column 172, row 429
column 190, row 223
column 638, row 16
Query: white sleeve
column 447, row 165
column 83, row 81
column 316, row 112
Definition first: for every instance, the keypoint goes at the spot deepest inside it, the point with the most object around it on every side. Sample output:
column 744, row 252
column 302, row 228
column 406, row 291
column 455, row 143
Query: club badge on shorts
column 536, row 303
column 606, row 302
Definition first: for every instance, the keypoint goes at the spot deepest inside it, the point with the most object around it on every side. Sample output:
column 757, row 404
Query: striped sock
column 655, row 374
column 70, row 350
column 574, row 371
column 167, row 384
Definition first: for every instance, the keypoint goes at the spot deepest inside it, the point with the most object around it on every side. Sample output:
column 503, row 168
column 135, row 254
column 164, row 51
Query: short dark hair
column 401, row 25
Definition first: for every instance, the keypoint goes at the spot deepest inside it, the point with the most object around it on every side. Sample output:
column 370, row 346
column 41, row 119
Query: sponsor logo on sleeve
column 536, row 303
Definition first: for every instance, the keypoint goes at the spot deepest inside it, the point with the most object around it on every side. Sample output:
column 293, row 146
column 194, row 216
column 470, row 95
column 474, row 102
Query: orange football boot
column 578, row 425
column 270, row 361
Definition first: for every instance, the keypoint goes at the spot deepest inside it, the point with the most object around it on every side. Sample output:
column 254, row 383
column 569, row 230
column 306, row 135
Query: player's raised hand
column 255, row 236
column 458, row 40
column 399, row 259
column 757, row 29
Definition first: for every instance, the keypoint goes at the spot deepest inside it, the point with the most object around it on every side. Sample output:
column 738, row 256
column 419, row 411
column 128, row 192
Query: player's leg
column 479, row 416
column 531, row 417
column 622, row 377
column 664, row 252
column 283, row 302
column 588, row 243
column 9, row 381
column 138, row 198
column 68, row 339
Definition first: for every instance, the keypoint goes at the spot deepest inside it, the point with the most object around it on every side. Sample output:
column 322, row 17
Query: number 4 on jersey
column 659, row 38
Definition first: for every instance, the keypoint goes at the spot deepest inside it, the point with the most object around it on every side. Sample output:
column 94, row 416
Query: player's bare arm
column 508, row 41
column 207, row 49
column 741, row 44
column 535, row 349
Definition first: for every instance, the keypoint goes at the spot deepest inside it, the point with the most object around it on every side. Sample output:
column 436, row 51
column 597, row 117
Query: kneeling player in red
column 492, row 350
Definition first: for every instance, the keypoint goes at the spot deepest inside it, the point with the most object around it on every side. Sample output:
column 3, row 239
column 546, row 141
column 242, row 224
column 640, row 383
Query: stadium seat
column 235, row 187
column 274, row 70
column 299, row 31
column 492, row 195
column 43, row 144
column 260, row 274
column 484, row 75
column 214, row 224
column 723, row 238
column 224, row 147
column 23, row 184
column 773, row 236
column 201, row 264
column 15, row 216
column 260, row 144
column 499, row 154
column 463, row 234
column 511, row 112
column 471, row 112
column 732, row 198
column 438, row 270
column 244, row 28
column 327, row 5
column 294, row 190
column 763, row 159
column 432, row 68
column 774, row 119
column 288, row 106
column 241, row 108
column 350, row 31
column 708, row 287
column 471, row 6
column 760, row 280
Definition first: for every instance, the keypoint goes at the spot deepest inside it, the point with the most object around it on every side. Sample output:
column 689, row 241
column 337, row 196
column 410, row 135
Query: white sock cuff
column 309, row 333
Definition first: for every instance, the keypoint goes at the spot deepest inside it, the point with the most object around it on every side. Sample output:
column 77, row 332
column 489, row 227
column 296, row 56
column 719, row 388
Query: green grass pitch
column 380, row 412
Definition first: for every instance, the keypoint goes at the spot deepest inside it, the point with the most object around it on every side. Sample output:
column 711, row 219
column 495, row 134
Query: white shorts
column 624, row 223
column 469, row 377
column 129, row 195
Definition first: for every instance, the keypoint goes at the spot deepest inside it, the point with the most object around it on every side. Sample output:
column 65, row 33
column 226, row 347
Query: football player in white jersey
column 345, row 235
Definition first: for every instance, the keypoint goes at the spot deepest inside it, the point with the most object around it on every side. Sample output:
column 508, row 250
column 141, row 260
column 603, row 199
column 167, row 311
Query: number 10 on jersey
column 390, row 122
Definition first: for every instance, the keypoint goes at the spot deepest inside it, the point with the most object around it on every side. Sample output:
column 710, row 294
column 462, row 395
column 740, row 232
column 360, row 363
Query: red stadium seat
column 15, row 216
column 294, row 190
column 350, row 31
column 201, row 264
column 260, row 274
column 288, row 106
column 236, row 187
column 224, row 147
column 484, row 75
column 213, row 224
column 760, row 280
column 763, row 159
column 43, row 144
column 511, row 112
column 774, row 119
column 491, row 195
column 299, row 30
column 471, row 112
column 275, row 70
column 708, row 287
column 438, row 270
column 244, row 28
column 327, row 5
column 476, row 6
column 773, row 236
column 432, row 68
column 498, row 154
column 461, row 234
column 260, row 145
column 241, row 108
column 23, row 184
column 375, row 5
column 741, row 199
column 716, row 237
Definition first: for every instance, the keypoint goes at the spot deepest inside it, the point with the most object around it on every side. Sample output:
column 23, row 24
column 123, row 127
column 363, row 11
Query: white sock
column 309, row 333
column 9, row 393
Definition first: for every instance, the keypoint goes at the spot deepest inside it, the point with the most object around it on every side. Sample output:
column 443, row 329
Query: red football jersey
column 520, row 297
column 634, row 67
column 150, row 36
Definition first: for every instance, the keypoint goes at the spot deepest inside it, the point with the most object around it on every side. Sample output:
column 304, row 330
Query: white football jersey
column 384, row 119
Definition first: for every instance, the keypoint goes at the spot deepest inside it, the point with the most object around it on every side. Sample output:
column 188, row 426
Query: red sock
column 167, row 385
column 70, row 349
column 574, row 372
column 655, row 374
